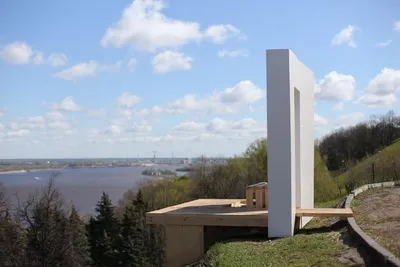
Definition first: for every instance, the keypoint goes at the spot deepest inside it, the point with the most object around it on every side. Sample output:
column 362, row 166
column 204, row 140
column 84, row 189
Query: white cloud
column 67, row 104
column 143, row 127
column 55, row 116
column 62, row 125
column 57, row 59
column 18, row 133
column 145, row 27
column 169, row 61
column 238, row 129
column 37, row 119
column 345, row 36
column 396, row 26
column 155, row 110
column 232, row 53
column 372, row 100
column 189, row 126
column 17, row 53
column 382, row 89
column 384, row 44
column 3, row 111
column 2, row 127
column 230, row 100
column 245, row 91
column 220, row 33
column 128, row 100
column 98, row 113
column 386, row 82
column 338, row 106
column 336, row 87
column 319, row 120
column 87, row 69
column 132, row 64
column 349, row 119
column 113, row 129
column 38, row 58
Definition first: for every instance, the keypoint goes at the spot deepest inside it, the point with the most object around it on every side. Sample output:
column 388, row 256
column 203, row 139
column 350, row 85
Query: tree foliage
column 343, row 148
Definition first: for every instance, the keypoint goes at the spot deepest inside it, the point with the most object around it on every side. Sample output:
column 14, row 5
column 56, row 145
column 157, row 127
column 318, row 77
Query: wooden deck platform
column 184, row 223
column 219, row 212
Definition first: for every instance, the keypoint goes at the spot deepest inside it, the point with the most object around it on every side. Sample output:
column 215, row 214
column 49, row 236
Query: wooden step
column 324, row 212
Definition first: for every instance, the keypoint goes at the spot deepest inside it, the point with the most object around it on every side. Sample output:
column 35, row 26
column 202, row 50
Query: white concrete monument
column 290, row 120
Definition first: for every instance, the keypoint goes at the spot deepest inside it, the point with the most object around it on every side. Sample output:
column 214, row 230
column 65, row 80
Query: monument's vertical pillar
column 290, row 89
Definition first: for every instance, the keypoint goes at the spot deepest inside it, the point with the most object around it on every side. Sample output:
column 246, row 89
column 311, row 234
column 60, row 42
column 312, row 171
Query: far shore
column 23, row 171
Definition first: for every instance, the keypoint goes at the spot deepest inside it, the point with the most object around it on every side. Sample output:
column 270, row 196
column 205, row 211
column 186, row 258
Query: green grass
column 362, row 172
column 299, row 250
column 303, row 249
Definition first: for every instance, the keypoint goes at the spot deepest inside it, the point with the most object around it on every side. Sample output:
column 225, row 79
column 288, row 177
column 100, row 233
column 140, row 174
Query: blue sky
column 122, row 78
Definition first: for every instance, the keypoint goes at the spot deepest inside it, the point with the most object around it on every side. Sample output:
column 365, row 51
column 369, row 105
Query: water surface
column 82, row 187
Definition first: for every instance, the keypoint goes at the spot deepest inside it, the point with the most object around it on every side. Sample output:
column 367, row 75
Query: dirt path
column 377, row 212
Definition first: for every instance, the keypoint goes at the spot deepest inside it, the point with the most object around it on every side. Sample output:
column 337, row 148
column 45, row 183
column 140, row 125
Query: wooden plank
column 184, row 244
column 212, row 220
column 249, row 198
column 325, row 212
column 259, row 199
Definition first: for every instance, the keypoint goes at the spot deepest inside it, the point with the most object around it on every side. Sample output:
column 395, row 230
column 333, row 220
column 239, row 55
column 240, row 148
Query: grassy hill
column 382, row 166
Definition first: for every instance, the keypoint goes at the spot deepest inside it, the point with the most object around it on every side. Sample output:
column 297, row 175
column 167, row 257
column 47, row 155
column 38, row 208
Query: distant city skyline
column 90, row 79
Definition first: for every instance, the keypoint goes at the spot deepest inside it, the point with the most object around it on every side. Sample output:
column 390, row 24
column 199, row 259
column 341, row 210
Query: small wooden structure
column 259, row 192
column 185, row 224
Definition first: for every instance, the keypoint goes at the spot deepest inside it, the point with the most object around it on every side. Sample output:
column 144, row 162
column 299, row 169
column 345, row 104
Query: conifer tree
column 79, row 247
column 103, row 233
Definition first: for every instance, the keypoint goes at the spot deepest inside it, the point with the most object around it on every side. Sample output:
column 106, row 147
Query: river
column 82, row 187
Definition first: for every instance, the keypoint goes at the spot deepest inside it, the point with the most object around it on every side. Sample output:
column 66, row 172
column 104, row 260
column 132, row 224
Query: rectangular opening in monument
column 297, row 141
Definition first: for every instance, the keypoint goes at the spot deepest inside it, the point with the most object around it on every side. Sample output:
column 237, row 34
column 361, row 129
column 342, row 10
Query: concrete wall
column 290, row 118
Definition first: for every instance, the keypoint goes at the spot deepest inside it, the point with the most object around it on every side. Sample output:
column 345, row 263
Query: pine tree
column 103, row 234
column 79, row 247
column 133, row 234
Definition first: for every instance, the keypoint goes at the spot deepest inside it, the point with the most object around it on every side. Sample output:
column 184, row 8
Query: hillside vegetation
column 345, row 147
column 381, row 167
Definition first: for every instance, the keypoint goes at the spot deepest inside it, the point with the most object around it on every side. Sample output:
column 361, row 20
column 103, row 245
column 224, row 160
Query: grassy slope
column 304, row 249
column 364, row 168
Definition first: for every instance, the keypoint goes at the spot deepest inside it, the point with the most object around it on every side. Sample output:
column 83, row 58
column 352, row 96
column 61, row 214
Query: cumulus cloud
column 20, row 53
column 62, row 125
column 349, row 119
column 169, row 61
column 142, row 127
column 86, row 69
column 17, row 53
column 233, row 53
column 227, row 101
column 18, row 133
column 345, row 36
column 55, row 115
column 113, row 129
column 319, row 120
column 382, row 89
column 57, row 59
column 128, row 100
column 38, row 58
column 336, row 87
column 189, row 126
column 145, row 27
column 67, row 104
